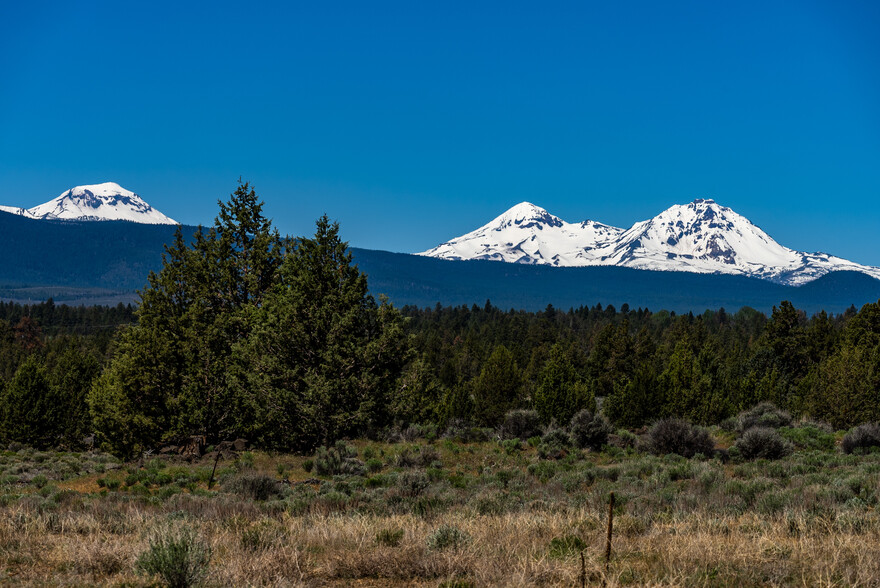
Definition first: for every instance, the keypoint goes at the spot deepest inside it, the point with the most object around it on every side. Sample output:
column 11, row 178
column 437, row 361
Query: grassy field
column 444, row 513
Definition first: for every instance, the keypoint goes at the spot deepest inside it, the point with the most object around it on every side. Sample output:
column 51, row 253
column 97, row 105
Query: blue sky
column 414, row 122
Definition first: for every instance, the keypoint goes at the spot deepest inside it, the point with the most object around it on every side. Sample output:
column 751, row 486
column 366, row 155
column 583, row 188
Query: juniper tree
column 324, row 356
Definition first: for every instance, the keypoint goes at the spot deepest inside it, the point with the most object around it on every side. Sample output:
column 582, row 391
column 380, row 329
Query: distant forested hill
column 106, row 262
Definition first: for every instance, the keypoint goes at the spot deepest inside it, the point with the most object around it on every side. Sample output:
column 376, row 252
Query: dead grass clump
column 100, row 560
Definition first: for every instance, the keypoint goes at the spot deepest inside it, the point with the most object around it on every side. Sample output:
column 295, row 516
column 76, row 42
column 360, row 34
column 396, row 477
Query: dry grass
column 88, row 546
column 809, row 520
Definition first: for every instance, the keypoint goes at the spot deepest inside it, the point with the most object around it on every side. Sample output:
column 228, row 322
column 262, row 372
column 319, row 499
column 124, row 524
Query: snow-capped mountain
column 97, row 202
column 700, row 237
column 529, row 234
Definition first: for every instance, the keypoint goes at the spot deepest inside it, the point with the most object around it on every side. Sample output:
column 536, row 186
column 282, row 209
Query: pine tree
column 497, row 389
column 170, row 376
column 561, row 393
column 30, row 411
column 323, row 357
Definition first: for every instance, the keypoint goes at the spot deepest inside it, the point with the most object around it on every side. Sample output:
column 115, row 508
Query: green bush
column 520, row 424
column 764, row 414
column 253, row 485
column 543, row 470
column 409, row 457
column 339, row 459
column 448, row 536
column 178, row 557
column 861, row 438
column 589, row 430
column 412, row 484
column 808, row 437
column 554, row 443
column 39, row 481
column 680, row 437
column 511, row 446
column 762, row 443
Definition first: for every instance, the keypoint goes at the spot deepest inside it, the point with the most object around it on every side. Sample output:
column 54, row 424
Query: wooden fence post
column 610, row 530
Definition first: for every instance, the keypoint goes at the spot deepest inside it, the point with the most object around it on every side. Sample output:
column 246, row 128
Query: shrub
column 39, row 481
column 374, row 465
column 808, row 437
column 764, row 414
column 339, row 459
column 408, row 458
column 862, row 437
column 511, row 446
column 564, row 546
column 447, row 536
column 412, row 483
column 461, row 431
column 762, row 442
column 520, row 424
column 309, row 465
column 178, row 557
column 554, row 443
column 680, row 437
column 623, row 439
column 589, row 430
column 253, row 485
column 389, row 537
column 543, row 470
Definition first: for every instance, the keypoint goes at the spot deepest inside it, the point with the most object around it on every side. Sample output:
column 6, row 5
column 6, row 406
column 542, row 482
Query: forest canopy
column 243, row 333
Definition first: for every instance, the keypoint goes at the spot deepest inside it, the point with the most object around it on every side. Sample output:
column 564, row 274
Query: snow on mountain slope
column 700, row 237
column 107, row 201
column 529, row 234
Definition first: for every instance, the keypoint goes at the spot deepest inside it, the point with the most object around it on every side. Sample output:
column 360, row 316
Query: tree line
column 243, row 333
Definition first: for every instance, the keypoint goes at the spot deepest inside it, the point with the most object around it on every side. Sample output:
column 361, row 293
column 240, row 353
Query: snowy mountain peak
column 701, row 236
column 105, row 201
column 525, row 215
column 104, row 189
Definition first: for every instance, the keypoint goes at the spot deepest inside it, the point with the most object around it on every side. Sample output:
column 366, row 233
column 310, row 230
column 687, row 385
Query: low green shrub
column 861, row 438
column 511, row 446
column 412, row 484
column 765, row 414
column 520, row 424
column 446, row 537
column 808, row 437
column 762, row 443
column 374, row 465
column 680, row 437
column 589, row 431
column 253, row 485
column 178, row 557
column 339, row 459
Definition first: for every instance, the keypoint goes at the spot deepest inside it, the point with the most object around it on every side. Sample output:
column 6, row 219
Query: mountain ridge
column 699, row 237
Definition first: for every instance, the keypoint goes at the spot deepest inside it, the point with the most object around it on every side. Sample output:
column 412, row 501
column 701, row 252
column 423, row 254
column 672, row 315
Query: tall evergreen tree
column 498, row 388
column 561, row 392
column 323, row 357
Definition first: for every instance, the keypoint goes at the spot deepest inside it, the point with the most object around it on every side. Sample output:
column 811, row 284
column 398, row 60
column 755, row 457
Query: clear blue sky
column 414, row 122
